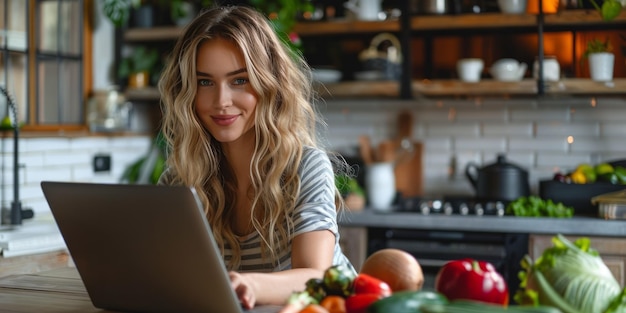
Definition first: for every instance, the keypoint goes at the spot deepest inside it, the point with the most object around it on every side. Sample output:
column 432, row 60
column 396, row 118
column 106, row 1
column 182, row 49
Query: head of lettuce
column 571, row 277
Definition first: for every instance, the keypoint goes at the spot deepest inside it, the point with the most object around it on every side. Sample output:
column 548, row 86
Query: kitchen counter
column 586, row 226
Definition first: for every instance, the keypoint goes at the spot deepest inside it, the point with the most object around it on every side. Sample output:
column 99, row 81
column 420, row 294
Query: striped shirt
column 315, row 210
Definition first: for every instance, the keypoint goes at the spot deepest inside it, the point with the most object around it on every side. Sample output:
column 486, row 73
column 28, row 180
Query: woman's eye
column 204, row 82
column 240, row 81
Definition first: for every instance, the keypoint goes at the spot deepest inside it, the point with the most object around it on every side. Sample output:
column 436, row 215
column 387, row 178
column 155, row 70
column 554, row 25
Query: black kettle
column 500, row 181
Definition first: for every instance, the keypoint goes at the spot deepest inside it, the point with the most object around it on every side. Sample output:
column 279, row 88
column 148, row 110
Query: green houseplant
column 118, row 11
column 601, row 59
column 138, row 66
column 284, row 14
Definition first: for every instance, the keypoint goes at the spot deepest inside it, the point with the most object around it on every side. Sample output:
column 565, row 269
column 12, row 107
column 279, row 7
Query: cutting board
column 409, row 170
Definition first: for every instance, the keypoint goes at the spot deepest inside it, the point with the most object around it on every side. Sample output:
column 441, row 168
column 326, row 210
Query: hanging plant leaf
column 610, row 9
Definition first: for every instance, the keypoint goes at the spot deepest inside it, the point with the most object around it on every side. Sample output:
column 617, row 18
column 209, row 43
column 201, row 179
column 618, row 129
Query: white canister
column 551, row 69
column 380, row 185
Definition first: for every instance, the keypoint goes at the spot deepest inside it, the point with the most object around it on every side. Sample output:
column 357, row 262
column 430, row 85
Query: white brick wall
column 64, row 159
column 532, row 133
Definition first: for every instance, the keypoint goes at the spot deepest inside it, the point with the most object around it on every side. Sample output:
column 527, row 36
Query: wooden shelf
column 152, row 34
column 444, row 88
column 142, row 94
column 573, row 19
column 526, row 87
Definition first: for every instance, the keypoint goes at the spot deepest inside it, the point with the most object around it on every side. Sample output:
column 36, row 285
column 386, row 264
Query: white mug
column 380, row 185
column 470, row 69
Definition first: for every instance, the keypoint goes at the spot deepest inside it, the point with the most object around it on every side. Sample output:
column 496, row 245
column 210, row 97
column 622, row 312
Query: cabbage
column 571, row 277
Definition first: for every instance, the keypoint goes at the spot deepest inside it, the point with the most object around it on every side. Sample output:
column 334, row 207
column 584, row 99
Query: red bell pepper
column 364, row 284
column 472, row 280
column 358, row 303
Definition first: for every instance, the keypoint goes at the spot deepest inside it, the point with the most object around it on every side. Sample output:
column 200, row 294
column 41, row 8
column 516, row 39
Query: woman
column 241, row 130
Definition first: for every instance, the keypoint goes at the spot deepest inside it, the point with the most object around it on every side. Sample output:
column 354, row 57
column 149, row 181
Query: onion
column 398, row 268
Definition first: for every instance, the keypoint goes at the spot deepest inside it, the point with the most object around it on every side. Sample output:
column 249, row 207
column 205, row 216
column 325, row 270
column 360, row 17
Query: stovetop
column 451, row 205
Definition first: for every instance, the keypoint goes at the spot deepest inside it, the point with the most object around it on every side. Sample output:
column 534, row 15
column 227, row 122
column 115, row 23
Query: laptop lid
column 142, row 248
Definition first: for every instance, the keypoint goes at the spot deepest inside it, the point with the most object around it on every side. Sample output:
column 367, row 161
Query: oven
column 434, row 248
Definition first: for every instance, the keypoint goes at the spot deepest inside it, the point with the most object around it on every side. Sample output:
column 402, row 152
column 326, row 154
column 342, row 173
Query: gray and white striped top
column 315, row 210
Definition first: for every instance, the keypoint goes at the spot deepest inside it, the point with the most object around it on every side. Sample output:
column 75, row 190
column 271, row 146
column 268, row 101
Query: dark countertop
column 582, row 226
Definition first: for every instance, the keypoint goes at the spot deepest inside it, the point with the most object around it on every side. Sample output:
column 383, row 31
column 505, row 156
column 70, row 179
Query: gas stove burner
column 452, row 206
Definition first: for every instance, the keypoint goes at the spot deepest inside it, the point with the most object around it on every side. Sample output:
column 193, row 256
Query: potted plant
column 601, row 59
column 183, row 11
column 138, row 66
column 284, row 14
column 118, row 11
column 609, row 9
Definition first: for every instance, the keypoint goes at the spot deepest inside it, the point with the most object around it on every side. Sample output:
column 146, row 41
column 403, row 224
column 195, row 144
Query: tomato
column 472, row 280
column 364, row 283
column 314, row 308
column 334, row 304
column 358, row 303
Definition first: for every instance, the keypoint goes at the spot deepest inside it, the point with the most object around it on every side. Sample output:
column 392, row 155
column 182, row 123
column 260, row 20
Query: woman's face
column 225, row 101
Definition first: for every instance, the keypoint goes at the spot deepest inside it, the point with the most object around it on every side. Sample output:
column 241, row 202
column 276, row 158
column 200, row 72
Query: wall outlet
column 102, row 163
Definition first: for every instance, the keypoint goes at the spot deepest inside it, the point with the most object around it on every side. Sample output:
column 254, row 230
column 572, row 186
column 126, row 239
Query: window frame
column 33, row 55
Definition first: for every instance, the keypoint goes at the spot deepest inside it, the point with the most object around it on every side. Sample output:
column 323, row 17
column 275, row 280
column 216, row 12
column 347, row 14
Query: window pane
column 60, row 96
column 60, row 27
column 16, row 24
column 71, row 26
column 70, row 91
column 48, row 27
column 16, row 82
column 3, row 24
column 48, row 92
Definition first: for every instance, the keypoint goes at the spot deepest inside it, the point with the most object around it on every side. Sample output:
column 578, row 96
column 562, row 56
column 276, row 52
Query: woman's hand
column 243, row 289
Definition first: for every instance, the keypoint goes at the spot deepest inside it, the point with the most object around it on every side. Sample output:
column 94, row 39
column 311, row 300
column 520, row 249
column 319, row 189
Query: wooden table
column 34, row 263
column 57, row 291
column 54, row 291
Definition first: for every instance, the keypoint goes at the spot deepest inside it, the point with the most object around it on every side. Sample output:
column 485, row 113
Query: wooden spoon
column 365, row 149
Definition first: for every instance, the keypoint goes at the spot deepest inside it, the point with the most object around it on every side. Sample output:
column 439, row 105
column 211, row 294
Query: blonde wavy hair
column 284, row 123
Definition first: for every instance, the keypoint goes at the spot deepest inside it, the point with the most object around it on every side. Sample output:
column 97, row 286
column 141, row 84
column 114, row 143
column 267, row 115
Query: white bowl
column 323, row 75
column 512, row 6
column 369, row 75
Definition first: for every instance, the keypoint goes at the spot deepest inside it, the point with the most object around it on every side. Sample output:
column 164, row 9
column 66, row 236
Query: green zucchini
column 406, row 302
column 468, row 306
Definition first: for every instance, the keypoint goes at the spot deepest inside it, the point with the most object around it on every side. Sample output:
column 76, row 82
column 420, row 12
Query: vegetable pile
column 389, row 281
column 465, row 286
column 571, row 277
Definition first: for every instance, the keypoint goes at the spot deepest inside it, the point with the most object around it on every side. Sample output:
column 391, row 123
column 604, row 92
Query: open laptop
column 143, row 248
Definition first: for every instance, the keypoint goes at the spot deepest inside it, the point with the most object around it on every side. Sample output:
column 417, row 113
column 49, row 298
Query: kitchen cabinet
column 612, row 250
column 353, row 243
column 353, row 34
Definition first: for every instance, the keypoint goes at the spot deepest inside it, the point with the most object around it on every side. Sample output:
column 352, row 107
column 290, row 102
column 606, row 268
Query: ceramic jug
column 508, row 70
column 380, row 185
column 367, row 10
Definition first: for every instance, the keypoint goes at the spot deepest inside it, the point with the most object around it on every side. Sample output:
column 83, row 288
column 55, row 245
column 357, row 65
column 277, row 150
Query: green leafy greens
column 533, row 206
column 571, row 277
